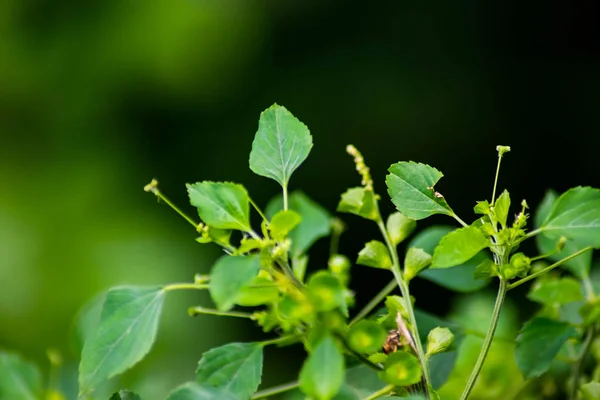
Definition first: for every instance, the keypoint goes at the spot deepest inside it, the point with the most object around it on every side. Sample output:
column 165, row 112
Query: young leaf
column 316, row 221
column 235, row 368
column 576, row 215
column 415, row 261
column 401, row 369
column 194, row 391
column 281, row 144
column 410, row 185
column 359, row 201
column 322, row 374
column 229, row 275
column 125, row 335
column 590, row 391
column 366, row 337
column 538, row 342
column 501, row 207
column 399, row 227
column 283, row 222
column 438, row 340
column 458, row 246
column 375, row 255
column 459, row 278
column 124, row 395
column 482, row 207
column 555, row 291
column 221, row 205
column 19, row 379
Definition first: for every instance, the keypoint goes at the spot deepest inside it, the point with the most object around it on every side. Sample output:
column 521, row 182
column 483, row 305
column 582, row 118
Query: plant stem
column 258, row 210
column 579, row 364
column 460, row 221
column 548, row 268
column 280, row 339
column 162, row 197
column 285, row 267
column 496, row 178
column 487, row 342
column 285, row 198
column 276, row 390
column 381, row 392
column 374, row 301
column 194, row 311
column 185, row 286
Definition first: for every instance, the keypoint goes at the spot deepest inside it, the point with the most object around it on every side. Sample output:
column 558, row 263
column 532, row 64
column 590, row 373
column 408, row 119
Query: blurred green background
column 97, row 98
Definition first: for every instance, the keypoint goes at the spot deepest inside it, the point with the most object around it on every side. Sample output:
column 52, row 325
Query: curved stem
column 380, row 392
column 503, row 288
column 258, row 210
column 276, row 390
column 374, row 301
column 184, row 286
column 195, row 311
column 162, row 197
column 587, row 343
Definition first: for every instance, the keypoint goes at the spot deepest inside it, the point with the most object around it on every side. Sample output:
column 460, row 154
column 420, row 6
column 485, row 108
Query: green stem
column 381, row 392
column 280, row 340
column 186, row 286
column 374, row 301
column 258, row 210
column 496, row 179
column 487, row 342
column 276, row 390
column 460, row 221
column 194, row 311
column 285, row 267
column 577, row 368
column 528, row 236
column 285, row 198
column 174, row 207
column 548, row 268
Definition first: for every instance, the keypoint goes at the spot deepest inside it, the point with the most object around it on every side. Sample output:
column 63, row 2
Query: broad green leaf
column 124, row 336
column 281, row 144
column 501, row 207
column 399, row 227
column 316, row 221
column 411, row 187
column 401, row 369
column 459, row 278
column 438, row 340
column 19, row 379
column 229, row 275
column 86, row 321
column 221, row 205
column 283, row 222
column 590, row 391
column 124, row 395
column 415, row 261
column 326, row 292
column 538, row 343
column 322, row 374
column 458, row 247
column 576, row 215
column 366, row 337
column 359, row 201
column 555, row 291
column 235, row 368
column 375, row 254
column 580, row 265
column 195, row 391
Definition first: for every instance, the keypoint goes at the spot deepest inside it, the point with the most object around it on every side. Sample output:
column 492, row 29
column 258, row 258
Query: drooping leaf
column 501, row 208
column 438, row 340
column 19, row 379
column 229, row 275
column 556, row 291
column 124, row 336
column 195, row 391
column 221, row 205
column 322, row 374
column 280, row 145
column 576, row 215
column 359, row 201
column 124, row 395
column 459, row 278
column 399, row 227
column 235, row 368
column 375, row 254
column 415, row 261
column 411, row 187
column 538, row 343
column 401, row 369
column 580, row 265
column 316, row 221
column 366, row 337
column 458, row 246
column 283, row 222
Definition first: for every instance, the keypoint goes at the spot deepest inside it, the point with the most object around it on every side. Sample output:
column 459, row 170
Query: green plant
column 396, row 351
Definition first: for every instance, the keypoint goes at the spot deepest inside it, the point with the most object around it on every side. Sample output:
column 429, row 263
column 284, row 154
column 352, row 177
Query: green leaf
column 322, row 374
column 260, row 291
column 580, row 265
column 555, row 291
column 576, row 215
column 538, row 343
column 401, row 369
column 359, row 201
column 459, row 278
column 411, row 187
column 124, row 395
column 438, row 340
column 590, row 391
column 316, row 222
column 235, row 367
column 458, row 247
column 125, row 335
column 281, row 144
column 283, row 222
column 86, row 321
column 399, row 227
column 501, row 207
column 326, row 292
column 366, row 337
column 482, row 207
column 249, row 244
column 221, row 205
column 375, row 254
column 415, row 261
column 19, row 379
column 360, row 382
column 299, row 264
column 485, row 269
column 229, row 275
column 194, row 391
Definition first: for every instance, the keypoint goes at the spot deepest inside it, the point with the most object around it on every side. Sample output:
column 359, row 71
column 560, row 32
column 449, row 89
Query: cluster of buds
column 361, row 167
